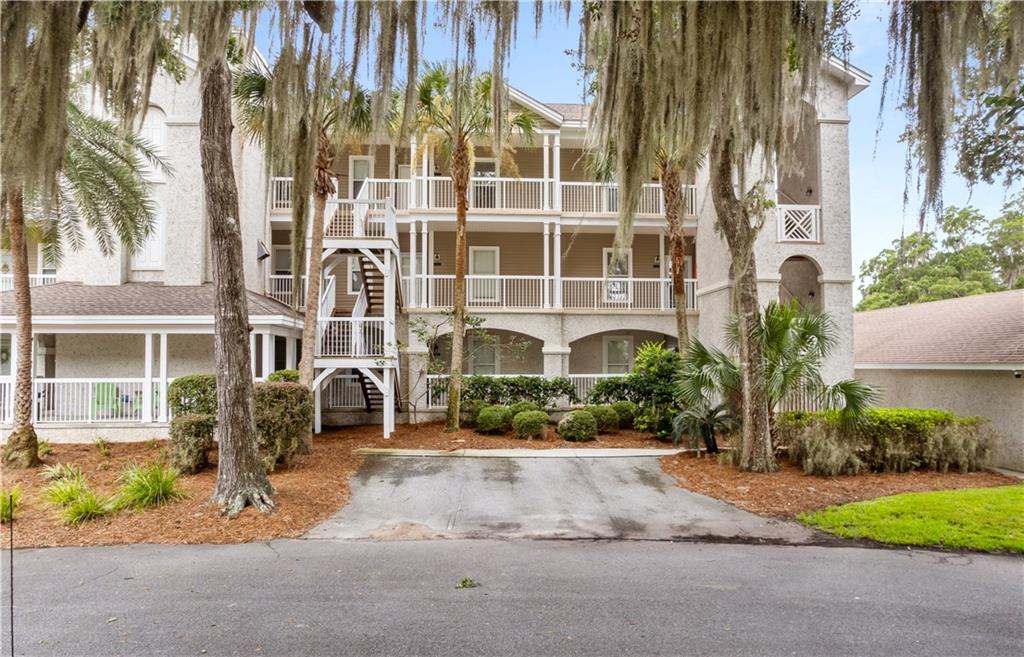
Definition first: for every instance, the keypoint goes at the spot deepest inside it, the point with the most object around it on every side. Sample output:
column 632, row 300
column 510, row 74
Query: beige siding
column 582, row 255
column 520, row 254
column 587, row 357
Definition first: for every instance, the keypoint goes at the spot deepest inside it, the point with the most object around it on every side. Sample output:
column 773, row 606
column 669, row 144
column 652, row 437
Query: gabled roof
column 133, row 299
column 986, row 329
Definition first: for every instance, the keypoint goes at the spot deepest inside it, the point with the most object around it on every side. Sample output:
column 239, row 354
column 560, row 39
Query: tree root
column 233, row 502
column 22, row 449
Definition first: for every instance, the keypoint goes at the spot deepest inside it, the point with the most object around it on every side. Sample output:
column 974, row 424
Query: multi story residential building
column 112, row 331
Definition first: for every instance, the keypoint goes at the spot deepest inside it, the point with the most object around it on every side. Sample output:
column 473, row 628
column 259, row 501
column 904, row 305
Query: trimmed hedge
column 194, row 394
column 606, row 417
column 530, row 424
column 509, row 390
column 519, row 407
column 191, row 439
column 885, row 440
column 291, row 376
column 578, row 426
column 494, row 419
column 284, row 414
column 469, row 410
column 626, row 410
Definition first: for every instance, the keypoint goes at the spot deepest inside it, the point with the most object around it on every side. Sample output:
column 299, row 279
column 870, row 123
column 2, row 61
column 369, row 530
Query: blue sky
column 539, row 67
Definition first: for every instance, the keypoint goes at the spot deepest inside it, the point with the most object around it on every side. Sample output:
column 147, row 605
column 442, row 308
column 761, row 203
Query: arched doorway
column 799, row 279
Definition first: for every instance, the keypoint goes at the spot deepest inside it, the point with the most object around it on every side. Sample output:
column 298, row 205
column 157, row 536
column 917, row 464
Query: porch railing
column 352, row 337
column 279, row 286
column 83, row 400
column 603, row 198
column 529, row 292
column 799, row 223
column 344, row 391
column 34, row 280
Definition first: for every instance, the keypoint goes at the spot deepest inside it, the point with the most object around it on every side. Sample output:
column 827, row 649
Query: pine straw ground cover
column 308, row 492
column 789, row 492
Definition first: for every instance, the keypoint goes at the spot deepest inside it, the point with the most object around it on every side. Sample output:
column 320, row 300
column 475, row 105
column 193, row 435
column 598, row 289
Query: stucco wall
column 996, row 395
column 114, row 356
column 587, row 355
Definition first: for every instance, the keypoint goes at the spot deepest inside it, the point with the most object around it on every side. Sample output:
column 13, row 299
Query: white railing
column 488, row 193
column 585, row 383
column 603, row 198
column 351, row 337
column 526, row 292
column 380, row 189
column 6, row 400
column 280, row 194
column 34, row 280
column 344, row 391
column 89, row 400
column 799, row 223
column 350, row 219
column 279, row 286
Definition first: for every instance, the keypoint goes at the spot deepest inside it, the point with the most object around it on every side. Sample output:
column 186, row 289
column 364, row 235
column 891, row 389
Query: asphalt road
column 538, row 494
column 622, row 598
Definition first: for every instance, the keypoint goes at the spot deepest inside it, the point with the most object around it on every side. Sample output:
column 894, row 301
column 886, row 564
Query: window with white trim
column 150, row 254
column 154, row 131
column 617, row 354
column 360, row 169
column 483, row 356
column 355, row 281
column 617, row 273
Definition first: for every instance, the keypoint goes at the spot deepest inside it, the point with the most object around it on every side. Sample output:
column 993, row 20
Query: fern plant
column 147, row 486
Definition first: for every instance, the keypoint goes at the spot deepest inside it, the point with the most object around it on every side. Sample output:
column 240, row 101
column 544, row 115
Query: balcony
column 34, row 280
column 539, row 292
column 501, row 195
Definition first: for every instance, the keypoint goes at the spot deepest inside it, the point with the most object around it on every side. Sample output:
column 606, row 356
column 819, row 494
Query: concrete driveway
column 538, row 494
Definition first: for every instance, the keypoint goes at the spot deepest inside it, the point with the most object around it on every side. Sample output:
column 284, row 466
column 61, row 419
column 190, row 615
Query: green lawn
column 983, row 519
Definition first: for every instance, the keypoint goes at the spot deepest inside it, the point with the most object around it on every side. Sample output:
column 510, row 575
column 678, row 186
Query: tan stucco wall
column 587, row 355
column 111, row 356
column 996, row 395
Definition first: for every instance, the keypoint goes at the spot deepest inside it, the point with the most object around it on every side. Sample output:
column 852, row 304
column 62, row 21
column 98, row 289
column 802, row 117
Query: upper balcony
column 7, row 280
column 491, row 195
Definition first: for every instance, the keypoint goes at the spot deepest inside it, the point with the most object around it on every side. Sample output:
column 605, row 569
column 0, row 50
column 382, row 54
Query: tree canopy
column 967, row 254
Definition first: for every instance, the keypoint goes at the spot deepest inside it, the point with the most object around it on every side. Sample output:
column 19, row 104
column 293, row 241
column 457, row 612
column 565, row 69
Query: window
column 355, row 280
column 154, row 131
column 616, row 276
column 483, row 261
column 484, row 187
column 483, row 356
column 281, row 261
column 151, row 253
column 360, row 169
column 617, row 354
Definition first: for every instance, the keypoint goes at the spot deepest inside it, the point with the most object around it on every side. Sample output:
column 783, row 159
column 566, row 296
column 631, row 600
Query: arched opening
column 611, row 352
column 799, row 279
column 493, row 352
column 798, row 171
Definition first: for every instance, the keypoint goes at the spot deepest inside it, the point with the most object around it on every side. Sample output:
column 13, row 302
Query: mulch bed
column 317, row 485
column 789, row 492
column 308, row 492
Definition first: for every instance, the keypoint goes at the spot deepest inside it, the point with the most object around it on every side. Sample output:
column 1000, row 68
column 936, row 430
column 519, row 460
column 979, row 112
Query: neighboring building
column 540, row 268
column 960, row 355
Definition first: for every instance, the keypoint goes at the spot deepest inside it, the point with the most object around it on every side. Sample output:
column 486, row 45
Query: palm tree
column 704, row 422
column 101, row 186
column 453, row 111
column 795, row 342
column 669, row 167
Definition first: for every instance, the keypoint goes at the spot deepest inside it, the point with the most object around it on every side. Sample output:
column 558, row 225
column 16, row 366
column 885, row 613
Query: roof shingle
column 136, row 299
column 986, row 328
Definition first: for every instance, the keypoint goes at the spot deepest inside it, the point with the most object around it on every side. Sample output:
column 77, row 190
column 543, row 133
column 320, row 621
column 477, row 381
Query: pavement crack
column 95, row 577
column 450, row 525
column 277, row 555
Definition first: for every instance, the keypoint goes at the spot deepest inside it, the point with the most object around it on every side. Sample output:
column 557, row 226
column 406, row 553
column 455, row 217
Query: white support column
column 389, row 402
column 390, row 341
column 317, row 425
column 163, row 415
column 665, row 289
column 268, row 354
column 414, row 179
column 290, row 345
column 558, row 264
column 413, row 277
column 547, row 172
column 558, row 172
column 252, row 352
column 547, row 260
column 147, row 380
column 425, row 289
column 424, row 197
column 9, row 414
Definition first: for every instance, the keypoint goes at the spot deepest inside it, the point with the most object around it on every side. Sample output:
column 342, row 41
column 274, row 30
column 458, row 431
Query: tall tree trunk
column 241, row 479
column 312, row 305
column 672, row 190
column 740, row 230
column 460, row 183
column 22, row 447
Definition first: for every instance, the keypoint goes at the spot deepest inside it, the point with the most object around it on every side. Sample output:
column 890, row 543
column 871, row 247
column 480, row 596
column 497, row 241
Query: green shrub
column 102, row 446
column 505, row 390
column 626, row 410
column 191, row 440
column 656, row 420
column 606, row 417
column 578, row 426
column 152, row 485
column 885, row 440
column 62, row 492
column 284, row 416
column 194, row 394
column 651, row 382
column 61, row 471
column 87, row 506
column 469, row 410
column 519, row 407
column 290, row 376
column 10, row 500
column 44, row 448
column 494, row 419
column 530, row 424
